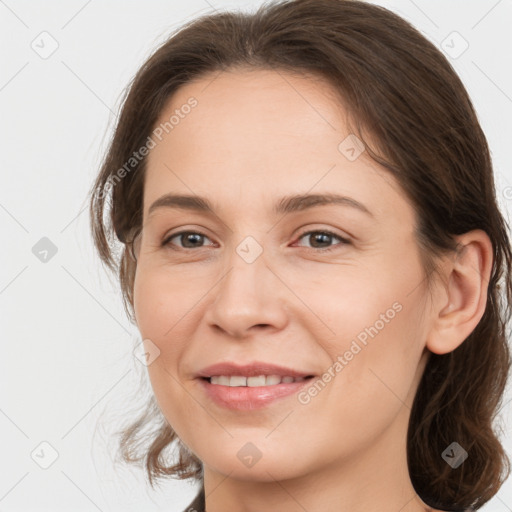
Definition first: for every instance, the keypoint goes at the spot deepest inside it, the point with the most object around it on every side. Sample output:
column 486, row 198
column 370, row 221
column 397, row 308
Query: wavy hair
column 401, row 91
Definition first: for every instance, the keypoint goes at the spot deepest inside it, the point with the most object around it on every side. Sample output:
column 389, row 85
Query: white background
column 67, row 369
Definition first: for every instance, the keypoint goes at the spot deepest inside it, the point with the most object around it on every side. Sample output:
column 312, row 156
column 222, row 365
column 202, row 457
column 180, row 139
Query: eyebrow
column 287, row 204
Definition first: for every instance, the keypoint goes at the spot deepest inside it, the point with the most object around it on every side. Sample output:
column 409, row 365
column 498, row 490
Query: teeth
column 237, row 380
column 260, row 380
column 272, row 380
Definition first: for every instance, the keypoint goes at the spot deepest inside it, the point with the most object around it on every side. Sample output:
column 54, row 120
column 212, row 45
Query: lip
column 250, row 370
column 244, row 398
column 249, row 398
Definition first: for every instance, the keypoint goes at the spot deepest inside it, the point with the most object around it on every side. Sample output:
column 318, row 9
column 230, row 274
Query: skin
column 254, row 137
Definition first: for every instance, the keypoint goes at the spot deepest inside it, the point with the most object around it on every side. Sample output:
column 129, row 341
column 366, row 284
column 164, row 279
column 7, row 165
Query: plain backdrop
column 68, row 370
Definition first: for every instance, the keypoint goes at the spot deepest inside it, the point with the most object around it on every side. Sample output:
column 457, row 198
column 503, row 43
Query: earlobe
column 460, row 308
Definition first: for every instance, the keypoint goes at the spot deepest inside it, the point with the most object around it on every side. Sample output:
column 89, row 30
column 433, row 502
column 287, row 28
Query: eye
column 323, row 237
column 194, row 239
column 188, row 239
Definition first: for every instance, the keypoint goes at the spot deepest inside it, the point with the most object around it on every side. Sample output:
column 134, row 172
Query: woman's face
column 251, row 288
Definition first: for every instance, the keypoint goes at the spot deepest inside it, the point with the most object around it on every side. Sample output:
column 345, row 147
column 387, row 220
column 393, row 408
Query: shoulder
column 198, row 505
column 455, row 510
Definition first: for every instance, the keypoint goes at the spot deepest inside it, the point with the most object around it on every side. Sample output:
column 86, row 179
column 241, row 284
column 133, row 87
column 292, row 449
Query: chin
column 266, row 469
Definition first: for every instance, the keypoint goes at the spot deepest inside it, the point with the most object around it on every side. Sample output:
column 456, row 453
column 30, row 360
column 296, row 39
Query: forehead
column 258, row 112
column 255, row 130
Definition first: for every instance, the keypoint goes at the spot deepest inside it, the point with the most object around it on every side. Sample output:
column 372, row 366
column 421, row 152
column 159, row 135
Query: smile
column 249, row 393
column 256, row 381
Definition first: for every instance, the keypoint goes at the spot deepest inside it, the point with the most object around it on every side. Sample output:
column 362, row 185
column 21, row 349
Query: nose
column 248, row 298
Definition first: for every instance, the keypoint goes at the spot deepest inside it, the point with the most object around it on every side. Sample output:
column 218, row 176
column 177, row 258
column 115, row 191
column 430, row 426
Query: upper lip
column 250, row 370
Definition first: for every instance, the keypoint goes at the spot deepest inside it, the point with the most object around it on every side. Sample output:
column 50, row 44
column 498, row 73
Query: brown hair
column 402, row 92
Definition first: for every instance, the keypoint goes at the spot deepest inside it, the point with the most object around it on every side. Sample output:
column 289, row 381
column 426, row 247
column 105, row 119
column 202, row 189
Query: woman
column 313, row 256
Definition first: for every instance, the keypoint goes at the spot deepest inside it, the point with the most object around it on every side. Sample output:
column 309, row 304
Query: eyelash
column 344, row 241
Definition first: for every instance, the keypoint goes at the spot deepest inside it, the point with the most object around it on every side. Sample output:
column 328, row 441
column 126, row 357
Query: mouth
column 242, row 393
column 253, row 381
column 250, row 387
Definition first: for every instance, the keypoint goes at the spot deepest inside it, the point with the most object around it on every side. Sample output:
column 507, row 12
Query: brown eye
column 319, row 239
column 188, row 240
column 322, row 239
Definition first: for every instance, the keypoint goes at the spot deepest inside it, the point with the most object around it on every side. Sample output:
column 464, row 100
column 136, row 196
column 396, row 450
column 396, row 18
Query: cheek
column 374, row 319
column 158, row 314
column 375, row 363
column 161, row 299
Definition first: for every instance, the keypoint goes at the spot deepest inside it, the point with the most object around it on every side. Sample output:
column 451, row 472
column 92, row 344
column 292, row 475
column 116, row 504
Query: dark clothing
column 198, row 505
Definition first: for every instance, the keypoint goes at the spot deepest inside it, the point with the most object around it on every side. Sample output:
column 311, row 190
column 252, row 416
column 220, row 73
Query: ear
column 461, row 305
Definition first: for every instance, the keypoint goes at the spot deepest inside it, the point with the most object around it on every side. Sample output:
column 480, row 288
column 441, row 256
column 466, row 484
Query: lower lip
column 247, row 398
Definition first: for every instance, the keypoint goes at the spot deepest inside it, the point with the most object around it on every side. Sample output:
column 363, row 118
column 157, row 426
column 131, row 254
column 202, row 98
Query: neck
column 373, row 479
